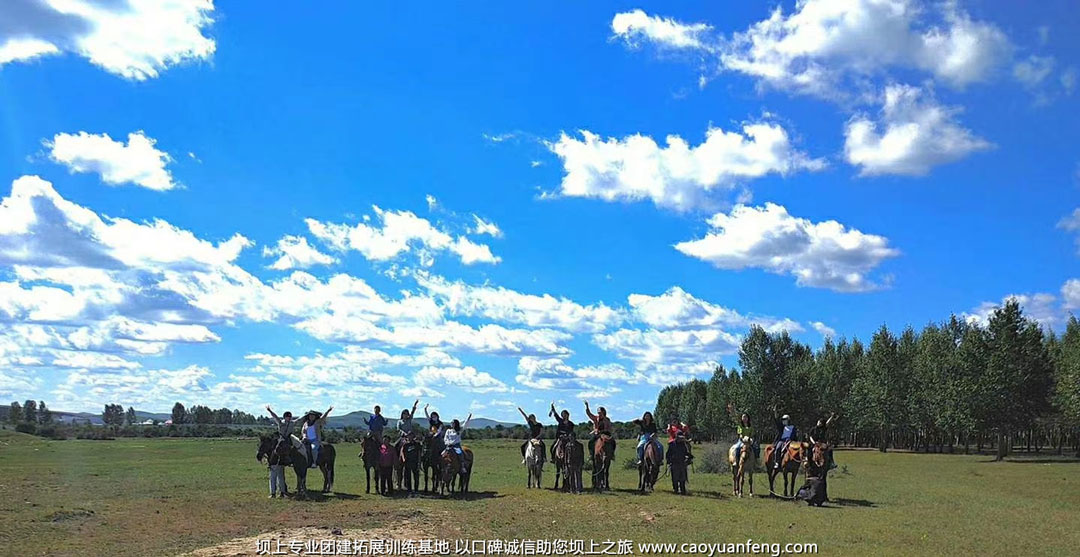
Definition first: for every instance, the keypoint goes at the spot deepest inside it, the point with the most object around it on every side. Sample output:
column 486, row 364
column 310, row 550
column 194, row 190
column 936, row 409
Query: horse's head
column 265, row 447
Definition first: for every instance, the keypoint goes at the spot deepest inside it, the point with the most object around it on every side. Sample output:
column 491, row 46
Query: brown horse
column 370, row 456
column 742, row 465
column 454, row 472
column 603, row 455
column 571, row 459
column 649, row 469
column 790, row 464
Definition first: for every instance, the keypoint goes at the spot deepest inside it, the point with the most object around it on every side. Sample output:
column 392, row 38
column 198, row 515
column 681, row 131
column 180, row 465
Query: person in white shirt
column 452, row 438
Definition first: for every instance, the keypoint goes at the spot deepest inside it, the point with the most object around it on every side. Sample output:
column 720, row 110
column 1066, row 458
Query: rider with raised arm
column 435, row 425
column 311, row 430
column 820, row 434
column 564, row 430
column 743, row 429
column 647, row 431
column 601, row 425
column 376, row 423
column 536, row 431
column 284, row 424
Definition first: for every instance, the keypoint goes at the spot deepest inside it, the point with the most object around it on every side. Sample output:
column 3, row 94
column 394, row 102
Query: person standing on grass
column 312, row 433
column 536, row 430
column 679, row 431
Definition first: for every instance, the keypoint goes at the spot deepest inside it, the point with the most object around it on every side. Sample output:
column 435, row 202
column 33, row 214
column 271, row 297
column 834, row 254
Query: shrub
column 26, row 427
column 714, row 460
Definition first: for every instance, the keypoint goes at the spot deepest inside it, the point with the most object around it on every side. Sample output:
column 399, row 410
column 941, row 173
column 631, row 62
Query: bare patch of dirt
column 242, row 547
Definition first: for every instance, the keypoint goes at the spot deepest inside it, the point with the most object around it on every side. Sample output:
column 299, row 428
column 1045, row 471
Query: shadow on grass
column 1037, row 460
column 841, row 502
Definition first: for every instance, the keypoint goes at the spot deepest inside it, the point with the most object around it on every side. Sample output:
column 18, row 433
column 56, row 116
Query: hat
column 314, row 413
column 785, row 417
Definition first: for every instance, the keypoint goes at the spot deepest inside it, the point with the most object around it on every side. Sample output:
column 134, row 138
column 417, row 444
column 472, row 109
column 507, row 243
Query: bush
column 714, row 460
column 26, row 427
column 630, row 463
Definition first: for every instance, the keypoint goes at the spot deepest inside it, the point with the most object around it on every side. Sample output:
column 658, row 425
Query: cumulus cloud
column 294, row 252
column 138, row 162
column 678, row 309
column 1070, row 292
column 636, row 27
column 466, row 377
column 554, row 373
column 912, row 135
column 823, row 255
column 823, row 329
column 399, row 232
column 1039, row 306
column 1071, row 223
column 661, row 356
column 482, row 227
column 135, row 39
column 825, row 46
column 502, row 304
column 677, row 176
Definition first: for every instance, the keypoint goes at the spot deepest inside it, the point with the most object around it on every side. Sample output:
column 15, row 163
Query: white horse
column 534, row 461
column 743, row 466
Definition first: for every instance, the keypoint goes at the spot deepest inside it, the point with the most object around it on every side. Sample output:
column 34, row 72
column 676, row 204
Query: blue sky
column 495, row 205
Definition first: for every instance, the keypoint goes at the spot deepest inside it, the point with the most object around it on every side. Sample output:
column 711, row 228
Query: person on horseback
column 647, row 431
column 564, row 430
column 785, row 434
column 376, row 423
column 743, row 429
column 536, row 431
column 452, row 439
column 284, row 424
column 820, row 434
column 406, row 427
column 311, row 431
column 601, row 425
column 435, row 425
column 679, row 431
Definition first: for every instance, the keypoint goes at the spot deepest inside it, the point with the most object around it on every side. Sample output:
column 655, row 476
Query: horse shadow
column 842, row 502
column 1043, row 460
column 319, row 497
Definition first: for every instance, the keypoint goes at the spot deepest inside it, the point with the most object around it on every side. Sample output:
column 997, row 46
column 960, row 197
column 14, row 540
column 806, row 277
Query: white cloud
column 510, row 306
column 825, row 47
column 135, row 39
column 1033, row 70
column 913, row 135
column 636, row 27
column 138, row 162
column 1071, row 223
column 137, row 387
column 1070, row 292
column 296, row 253
column 555, row 373
column 467, row 378
column 824, row 254
column 400, row 232
column 823, row 329
column 486, row 227
column 678, row 309
column 678, row 175
column 661, row 355
column 1040, row 306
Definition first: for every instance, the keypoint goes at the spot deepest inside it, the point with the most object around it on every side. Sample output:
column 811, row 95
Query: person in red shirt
column 675, row 429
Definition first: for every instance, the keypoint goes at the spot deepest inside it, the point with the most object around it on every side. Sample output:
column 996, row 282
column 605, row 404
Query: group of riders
column 312, row 423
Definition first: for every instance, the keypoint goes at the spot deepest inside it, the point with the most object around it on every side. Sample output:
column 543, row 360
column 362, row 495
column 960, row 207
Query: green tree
column 29, row 411
column 129, row 417
column 113, row 415
column 44, row 415
column 179, row 414
column 1067, row 376
column 15, row 413
column 878, row 391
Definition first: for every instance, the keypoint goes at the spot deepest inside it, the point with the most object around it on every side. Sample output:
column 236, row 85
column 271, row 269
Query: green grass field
column 169, row 496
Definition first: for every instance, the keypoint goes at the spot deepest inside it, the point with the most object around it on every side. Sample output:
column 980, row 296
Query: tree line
column 953, row 384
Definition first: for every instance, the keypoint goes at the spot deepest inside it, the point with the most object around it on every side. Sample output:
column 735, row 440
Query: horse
column 384, row 478
column 649, row 469
column 790, row 464
column 570, row 462
column 678, row 458
column 534, row 462
column 816, row 491
column 557, row 450
column 325, row 462
column 370, row 456
column 741, row 465
column 407, row 468
column 603, row 454
column 432, row 461
column 453, row 469
column 287, row 452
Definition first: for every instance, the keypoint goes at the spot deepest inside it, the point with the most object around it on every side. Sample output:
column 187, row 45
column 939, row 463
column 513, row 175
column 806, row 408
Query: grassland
column 168, row 496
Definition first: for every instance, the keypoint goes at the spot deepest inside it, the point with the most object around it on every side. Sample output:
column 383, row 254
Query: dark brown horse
column 456, row 470
column 649, row 469
column 407, row 467
column 791, row 462
column 571, row 459
column 282, row 451
column 431, row 461
column 603, row 455
column 370, row 456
